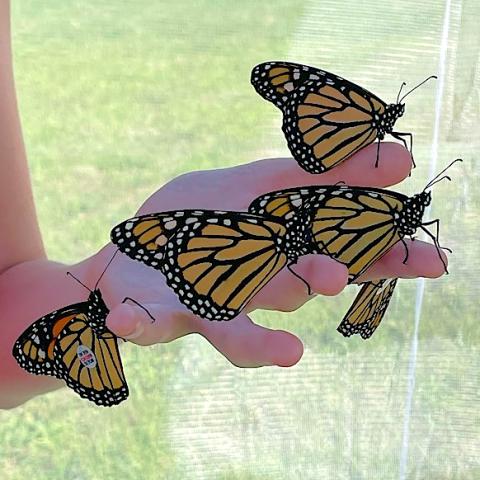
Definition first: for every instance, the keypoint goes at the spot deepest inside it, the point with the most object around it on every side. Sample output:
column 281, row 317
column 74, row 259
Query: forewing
column 329, row 120
column 356, row 226
column 144, row 238
column 90, row 364
column 221, row 261
column 368, row 308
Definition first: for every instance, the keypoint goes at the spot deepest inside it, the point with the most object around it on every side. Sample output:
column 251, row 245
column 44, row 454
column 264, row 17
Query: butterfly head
column 422, row 200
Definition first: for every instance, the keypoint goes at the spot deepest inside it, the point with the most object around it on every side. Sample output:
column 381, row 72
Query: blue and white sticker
column 86, row 357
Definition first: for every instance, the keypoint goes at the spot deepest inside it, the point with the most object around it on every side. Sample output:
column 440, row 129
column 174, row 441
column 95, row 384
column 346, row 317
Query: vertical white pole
column 412, row 363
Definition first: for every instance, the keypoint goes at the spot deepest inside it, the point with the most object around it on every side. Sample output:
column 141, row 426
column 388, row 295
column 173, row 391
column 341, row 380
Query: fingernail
column 136, row 332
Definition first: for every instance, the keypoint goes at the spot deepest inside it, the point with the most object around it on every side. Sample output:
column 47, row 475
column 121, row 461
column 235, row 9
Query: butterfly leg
column 378, row 153
column 399, row 136
column 406, row 250
column 437, row 233
column 309, row 290
column 435, row 239
column 139, row 305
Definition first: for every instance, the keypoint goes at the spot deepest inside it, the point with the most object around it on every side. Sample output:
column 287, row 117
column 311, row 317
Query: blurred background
column 120, row 96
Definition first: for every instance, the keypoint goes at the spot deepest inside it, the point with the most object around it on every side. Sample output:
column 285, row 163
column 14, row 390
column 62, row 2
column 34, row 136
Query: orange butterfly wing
column 326, row 118
column 214, row 261
column 368, row 308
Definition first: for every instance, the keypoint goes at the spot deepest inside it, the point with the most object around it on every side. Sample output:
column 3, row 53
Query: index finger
column 394, row 165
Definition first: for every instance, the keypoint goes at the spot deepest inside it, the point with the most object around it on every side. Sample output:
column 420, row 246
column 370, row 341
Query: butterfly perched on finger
column 215, row 261
column 326, row 118
column 355, row 226
column 73, row 344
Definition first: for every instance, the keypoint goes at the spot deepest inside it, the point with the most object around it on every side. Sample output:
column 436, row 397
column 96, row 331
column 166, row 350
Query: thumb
column 133, row 323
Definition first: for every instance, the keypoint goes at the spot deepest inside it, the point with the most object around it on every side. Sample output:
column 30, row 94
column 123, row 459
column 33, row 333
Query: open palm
column 243, row 342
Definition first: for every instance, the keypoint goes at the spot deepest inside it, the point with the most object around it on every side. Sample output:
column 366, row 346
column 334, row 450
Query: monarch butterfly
column 74, row 345
column 356, row 226
column 325, row 117
column 215, row 261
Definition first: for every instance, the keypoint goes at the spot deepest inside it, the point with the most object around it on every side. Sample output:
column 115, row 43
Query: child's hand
column 240, row 340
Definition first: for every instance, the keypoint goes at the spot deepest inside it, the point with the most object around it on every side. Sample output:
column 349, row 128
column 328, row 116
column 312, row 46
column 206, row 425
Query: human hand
column 243, row 342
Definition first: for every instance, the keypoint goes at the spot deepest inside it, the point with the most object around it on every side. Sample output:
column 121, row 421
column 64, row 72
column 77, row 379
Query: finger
column 423, row 261
column 325, row 275
column 286, row 292
column 246, row 344
column 134, row 324
column 394, row 165
column 242, row 342
column 123, row 322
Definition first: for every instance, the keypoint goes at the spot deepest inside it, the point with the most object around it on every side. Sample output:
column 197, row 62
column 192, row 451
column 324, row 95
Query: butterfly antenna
column 105, row 269
column 400, row 91
column 81, row 283
column 414, row 88
column 437, row 178
column 445, row 177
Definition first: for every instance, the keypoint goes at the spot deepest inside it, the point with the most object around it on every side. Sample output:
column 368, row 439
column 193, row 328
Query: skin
column 243, row 342
column 31, row 285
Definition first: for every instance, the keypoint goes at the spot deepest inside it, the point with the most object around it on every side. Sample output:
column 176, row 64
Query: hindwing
column 368, row 308
column 90, row 363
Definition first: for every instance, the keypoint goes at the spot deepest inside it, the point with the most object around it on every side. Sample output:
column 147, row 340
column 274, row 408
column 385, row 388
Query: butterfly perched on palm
column 326, row 118
column 215, row 261
column 355, row 226
column 74, row 345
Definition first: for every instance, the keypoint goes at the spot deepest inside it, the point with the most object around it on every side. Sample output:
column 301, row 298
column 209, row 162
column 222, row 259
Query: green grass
column 116, row 99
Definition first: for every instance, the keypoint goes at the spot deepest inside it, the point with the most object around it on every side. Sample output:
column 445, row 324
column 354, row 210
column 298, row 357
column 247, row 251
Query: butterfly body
column 73, row 344
column 385, row 121
column 326, row 118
